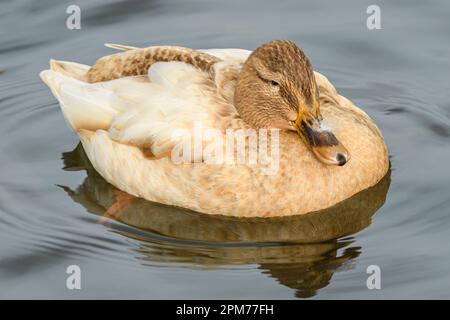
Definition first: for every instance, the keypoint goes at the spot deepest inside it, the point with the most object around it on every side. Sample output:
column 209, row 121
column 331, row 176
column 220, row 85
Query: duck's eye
column 274, row 83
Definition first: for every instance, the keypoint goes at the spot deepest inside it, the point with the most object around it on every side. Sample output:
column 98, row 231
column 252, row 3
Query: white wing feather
column 146, row 112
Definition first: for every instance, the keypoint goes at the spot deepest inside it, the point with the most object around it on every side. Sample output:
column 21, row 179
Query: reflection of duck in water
column 128, row 123
column 299, row 251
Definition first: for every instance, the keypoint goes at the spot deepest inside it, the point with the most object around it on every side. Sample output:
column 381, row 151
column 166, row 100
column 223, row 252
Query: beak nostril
column 341, row 159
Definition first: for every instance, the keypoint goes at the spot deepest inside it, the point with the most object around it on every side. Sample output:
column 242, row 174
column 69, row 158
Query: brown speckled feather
column 137, row 62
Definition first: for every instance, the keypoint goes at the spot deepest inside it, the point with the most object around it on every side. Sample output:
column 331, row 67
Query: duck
column 228, row 132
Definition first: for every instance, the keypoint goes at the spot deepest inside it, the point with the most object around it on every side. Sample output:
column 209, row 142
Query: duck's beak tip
column 342, row 157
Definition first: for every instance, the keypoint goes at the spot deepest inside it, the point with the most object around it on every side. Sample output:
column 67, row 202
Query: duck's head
column 277, row 89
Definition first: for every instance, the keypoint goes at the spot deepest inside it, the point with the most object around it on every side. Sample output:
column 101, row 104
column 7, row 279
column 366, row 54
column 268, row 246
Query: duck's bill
column 323, row 143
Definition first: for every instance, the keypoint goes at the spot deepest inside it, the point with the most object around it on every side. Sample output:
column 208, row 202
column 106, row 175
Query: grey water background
column 399, row 75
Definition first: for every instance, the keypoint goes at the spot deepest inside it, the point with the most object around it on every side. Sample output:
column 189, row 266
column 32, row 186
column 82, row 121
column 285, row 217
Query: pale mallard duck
column 128, row 123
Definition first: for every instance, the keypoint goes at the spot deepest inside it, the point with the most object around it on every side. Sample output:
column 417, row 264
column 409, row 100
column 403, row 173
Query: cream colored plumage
column 127, row 128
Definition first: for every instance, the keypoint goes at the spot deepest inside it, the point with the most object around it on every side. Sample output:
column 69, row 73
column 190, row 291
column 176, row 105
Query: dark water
column 54, row 208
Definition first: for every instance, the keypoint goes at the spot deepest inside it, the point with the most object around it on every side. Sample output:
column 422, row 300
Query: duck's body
column 126, row 126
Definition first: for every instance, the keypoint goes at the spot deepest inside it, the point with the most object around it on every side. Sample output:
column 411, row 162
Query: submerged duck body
column 129, row 123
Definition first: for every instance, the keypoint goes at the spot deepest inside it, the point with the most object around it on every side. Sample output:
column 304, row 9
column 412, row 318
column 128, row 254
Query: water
column 53, row 205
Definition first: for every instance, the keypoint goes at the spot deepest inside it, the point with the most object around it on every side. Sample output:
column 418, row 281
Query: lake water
column 54, row 207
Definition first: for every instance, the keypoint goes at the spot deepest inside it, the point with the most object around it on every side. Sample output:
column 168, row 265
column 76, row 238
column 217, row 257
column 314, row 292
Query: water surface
column 56, row 211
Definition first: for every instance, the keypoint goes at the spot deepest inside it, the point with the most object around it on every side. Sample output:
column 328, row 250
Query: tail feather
column 71, row 69
column 84, row 105
column 119, row 46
